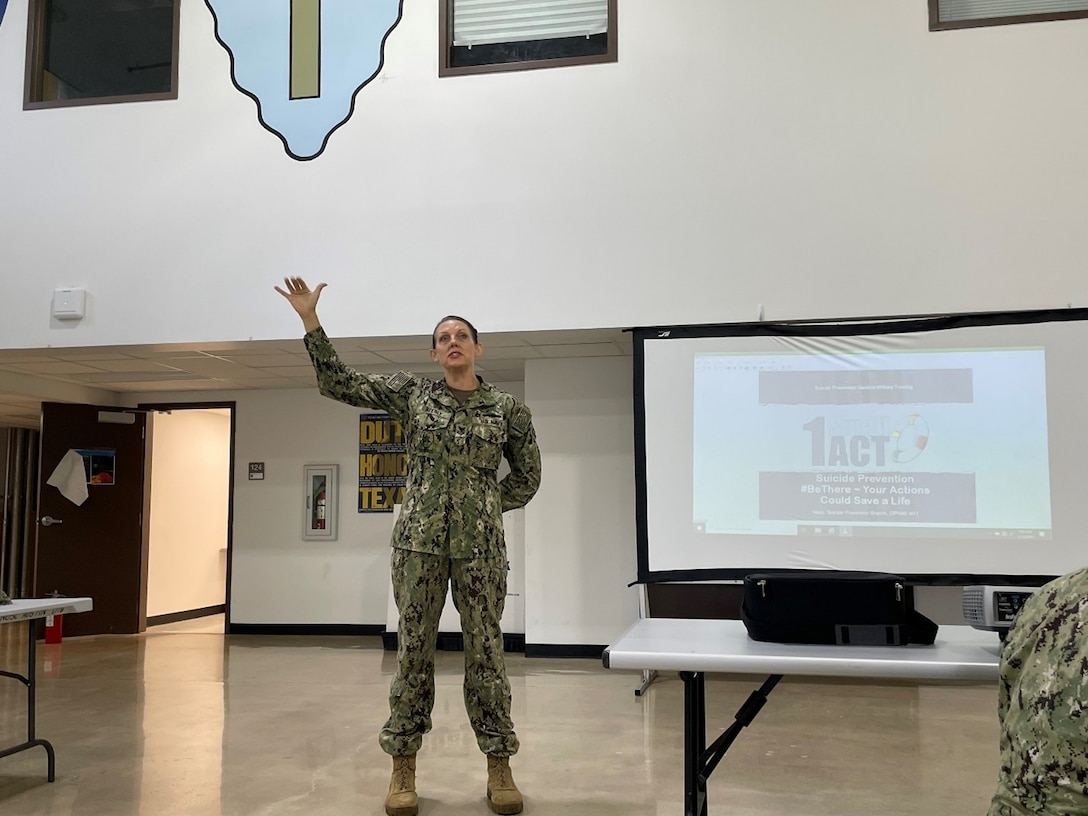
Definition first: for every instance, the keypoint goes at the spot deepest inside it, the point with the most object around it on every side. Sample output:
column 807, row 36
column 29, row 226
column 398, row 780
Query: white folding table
column 695, row 647
column 31, row 610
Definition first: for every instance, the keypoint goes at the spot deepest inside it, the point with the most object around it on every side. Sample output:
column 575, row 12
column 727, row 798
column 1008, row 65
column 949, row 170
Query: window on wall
column 85, row 52
column 479, row 36
column 948, row 14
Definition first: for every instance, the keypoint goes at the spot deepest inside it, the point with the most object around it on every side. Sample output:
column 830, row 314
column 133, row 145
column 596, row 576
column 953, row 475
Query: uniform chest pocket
column 486, row 441
column 429, row 431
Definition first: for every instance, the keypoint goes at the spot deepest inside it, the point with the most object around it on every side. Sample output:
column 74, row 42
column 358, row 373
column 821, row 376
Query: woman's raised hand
column 303, row 300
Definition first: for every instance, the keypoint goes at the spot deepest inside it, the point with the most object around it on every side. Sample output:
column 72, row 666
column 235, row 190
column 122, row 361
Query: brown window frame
column 35, row 66
column 935, row 23
column 445, row 46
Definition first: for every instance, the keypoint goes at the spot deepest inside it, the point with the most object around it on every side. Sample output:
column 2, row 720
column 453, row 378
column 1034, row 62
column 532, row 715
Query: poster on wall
column 383, row 463
column 100, row 466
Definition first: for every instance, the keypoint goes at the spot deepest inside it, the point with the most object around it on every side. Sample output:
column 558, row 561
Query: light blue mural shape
column 257, row 36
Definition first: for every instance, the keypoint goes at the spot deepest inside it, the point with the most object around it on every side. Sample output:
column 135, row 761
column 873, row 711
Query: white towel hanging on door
column 70, row 478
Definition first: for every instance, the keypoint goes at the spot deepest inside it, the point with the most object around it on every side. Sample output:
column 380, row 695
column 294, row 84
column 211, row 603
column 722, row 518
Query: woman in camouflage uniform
column 1043, row 704
column 458, row 430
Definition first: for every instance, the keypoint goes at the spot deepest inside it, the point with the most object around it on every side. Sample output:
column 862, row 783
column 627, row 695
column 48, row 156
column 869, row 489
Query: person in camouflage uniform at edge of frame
column 457, row 430
column 1043, row 704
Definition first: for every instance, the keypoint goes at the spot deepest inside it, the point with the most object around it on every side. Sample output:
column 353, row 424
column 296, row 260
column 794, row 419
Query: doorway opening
column 190, row 516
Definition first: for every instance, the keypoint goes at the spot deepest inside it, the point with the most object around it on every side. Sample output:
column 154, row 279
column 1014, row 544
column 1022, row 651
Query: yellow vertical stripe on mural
column 305, row 49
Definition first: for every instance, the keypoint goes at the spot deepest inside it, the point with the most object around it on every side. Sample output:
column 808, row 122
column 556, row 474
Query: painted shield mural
column 303, row 62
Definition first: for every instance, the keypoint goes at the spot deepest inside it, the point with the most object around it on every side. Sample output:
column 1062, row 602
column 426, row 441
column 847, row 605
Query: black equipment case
column 833, row 607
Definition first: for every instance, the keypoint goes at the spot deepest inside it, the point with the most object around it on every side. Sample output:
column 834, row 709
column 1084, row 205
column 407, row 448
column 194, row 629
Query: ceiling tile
column 173, row 385
column 587, row 350
column 131, row 365
column 268, row 360
column 407, row 356
column 122, row 377
column 54, row 367
column 280, row 364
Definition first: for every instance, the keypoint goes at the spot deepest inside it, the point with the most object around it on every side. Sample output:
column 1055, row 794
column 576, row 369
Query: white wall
column 580, row 529
column 190, row 483
column 825, row 158
column 578, row 532
column 276, row 576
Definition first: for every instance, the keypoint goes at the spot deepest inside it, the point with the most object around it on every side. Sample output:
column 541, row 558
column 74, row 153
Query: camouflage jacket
column 1043, row 704
column 453, row 500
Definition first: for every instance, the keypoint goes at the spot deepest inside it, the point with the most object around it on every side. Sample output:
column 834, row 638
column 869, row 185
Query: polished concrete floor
column 184, row 721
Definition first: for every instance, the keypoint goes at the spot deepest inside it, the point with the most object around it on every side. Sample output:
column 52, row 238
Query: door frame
column 232, row 406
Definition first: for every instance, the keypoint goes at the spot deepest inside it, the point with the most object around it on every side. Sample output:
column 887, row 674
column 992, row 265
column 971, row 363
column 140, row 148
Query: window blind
column 481, row 22
column 953, row 10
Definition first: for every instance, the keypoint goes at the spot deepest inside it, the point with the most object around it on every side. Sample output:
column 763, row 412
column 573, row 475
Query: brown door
column 97, row 548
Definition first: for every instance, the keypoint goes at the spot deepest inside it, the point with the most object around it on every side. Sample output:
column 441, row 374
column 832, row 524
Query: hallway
column 184, row 721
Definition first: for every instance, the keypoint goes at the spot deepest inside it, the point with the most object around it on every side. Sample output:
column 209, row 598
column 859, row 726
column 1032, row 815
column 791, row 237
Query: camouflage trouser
column 479, row 593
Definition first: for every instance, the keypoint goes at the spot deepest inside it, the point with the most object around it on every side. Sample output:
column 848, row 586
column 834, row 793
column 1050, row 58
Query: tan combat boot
column 502, row 794
column 402, row 799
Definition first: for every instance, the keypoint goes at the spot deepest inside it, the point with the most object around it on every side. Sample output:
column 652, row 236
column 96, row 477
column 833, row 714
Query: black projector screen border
column 852, row 399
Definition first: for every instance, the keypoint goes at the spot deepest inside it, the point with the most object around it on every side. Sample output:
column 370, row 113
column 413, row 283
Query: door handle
column 48, row 521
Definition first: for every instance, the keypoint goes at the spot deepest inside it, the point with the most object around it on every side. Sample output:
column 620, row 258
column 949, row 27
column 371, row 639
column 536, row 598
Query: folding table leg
column 28, row 681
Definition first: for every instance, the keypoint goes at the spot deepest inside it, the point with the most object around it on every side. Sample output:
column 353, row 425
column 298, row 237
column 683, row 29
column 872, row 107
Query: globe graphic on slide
column 910, row 438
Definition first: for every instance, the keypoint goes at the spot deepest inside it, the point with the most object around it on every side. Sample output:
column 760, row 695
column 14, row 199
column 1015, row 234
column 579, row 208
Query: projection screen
column 949, row 450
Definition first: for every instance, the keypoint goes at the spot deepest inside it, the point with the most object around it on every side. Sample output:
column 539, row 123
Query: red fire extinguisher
column 54, row 628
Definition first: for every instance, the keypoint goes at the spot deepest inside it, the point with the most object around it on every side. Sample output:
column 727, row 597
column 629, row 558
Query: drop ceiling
column 267, row 364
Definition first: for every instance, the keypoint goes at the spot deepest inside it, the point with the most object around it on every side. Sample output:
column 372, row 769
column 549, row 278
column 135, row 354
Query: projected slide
column 943, row 443
column 950, row 449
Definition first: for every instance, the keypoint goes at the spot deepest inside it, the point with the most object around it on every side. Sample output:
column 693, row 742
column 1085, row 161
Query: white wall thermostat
column 69, row 304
